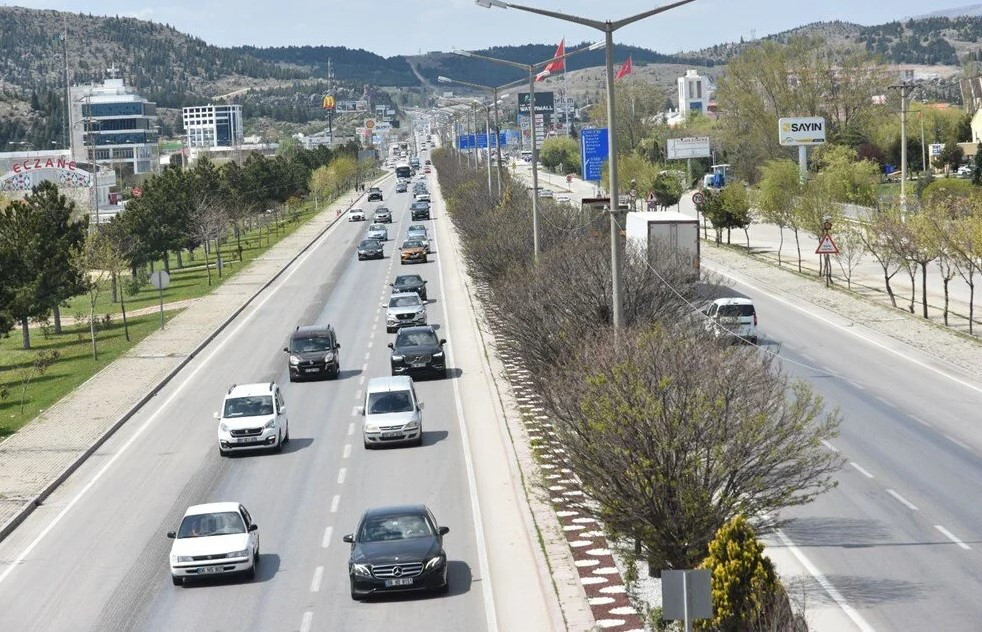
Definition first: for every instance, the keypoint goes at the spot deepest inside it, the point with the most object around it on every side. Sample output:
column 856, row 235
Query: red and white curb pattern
column 598, row 573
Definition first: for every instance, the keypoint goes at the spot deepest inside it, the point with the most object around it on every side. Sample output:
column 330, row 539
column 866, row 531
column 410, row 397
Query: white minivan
column 393, row 414
column 732, row 316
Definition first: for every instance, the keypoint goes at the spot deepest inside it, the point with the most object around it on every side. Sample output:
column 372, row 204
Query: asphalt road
column 98, row 555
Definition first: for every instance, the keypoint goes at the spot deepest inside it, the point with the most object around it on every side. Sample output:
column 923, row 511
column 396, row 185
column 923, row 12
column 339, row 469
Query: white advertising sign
column 936, row 149
column 802, row 130
column 692, row 147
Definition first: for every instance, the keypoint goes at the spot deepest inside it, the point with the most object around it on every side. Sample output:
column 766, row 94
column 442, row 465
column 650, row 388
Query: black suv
column 420, row 210
column 314, row 352
column 397, row 549
column 370, row 249
column 409, row 283
column 374, row 193
column 418, row 350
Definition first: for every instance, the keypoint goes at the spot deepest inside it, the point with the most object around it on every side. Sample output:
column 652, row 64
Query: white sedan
column 356, row 215
column 214, row 539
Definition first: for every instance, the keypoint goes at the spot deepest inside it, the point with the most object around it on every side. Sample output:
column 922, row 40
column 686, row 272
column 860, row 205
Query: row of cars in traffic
column 396, row 548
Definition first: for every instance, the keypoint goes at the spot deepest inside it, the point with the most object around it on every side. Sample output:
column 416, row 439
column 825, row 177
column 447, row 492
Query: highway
column 94, row 557
column 900, row 538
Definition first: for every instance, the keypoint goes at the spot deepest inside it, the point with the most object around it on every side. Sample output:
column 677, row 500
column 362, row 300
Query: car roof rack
column 230, row 389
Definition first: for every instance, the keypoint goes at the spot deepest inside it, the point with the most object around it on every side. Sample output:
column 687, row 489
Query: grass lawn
column 74, row 366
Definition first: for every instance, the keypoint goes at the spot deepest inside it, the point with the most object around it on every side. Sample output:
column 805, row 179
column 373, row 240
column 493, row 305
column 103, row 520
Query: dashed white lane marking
column 951, row 536
column 307, row 621
column 368, row 355
column 358, row 394
column 958, row 442
column 361, row 380
column 903, row 501
column 354, row 410
column 860, row 469
column 335, row 502
column 315, row 583
column 829, row 446
column 351, row 428
column 371, row 343
column 341, row 474
column 921, row 421
column 326, row 540
column 347, row 451
column 364, row 367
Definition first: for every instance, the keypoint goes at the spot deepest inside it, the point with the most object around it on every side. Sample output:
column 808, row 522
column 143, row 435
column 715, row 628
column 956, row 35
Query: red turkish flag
column 625, row 70
column 558, row 62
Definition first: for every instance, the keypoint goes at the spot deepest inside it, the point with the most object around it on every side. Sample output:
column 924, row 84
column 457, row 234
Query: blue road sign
column 482, row 141
column 593, row 151
column 511, row 136
column 466, row 141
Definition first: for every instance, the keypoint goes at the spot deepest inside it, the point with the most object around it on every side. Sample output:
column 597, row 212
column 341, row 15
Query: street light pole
column 497, row 139
column 608, row 27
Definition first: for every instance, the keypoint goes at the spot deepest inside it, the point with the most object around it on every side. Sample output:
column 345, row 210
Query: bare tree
column 875, row 236
column 210, row 221
column 851, row 251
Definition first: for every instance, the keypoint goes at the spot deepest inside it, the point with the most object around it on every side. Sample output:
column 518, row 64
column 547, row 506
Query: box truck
column 666, row 237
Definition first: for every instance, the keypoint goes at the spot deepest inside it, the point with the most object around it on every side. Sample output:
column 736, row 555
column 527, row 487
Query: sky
column 406, row 27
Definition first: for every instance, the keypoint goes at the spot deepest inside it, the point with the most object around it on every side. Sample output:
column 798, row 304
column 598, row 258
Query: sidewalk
column 38, row 458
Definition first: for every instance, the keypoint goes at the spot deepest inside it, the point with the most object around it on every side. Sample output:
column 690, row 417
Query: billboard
column 802, row 130
column 544, row 103
column 328, row 102
column 351, row 106
column 594, row 150
column 691, row 147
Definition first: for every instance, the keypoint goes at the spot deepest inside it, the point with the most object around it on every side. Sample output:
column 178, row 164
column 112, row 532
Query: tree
column 670, row 443
column 965, row 241
column 93, row 257
column 950, row 157
column 727, row 209
column 780, row 184
column 977, row 166
column 847, row 179
column 116, row 250
column 875, row 233
column 849, row 240
column 668, row 188
column 560, row 151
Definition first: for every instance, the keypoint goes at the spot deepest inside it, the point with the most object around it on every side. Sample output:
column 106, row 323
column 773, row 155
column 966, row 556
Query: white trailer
column 666, row 237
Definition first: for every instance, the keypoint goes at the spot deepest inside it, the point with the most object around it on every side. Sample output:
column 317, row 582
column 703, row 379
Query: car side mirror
column 350, row 539
column 444, row 530
column 337, row 345
column 383, row 305
column 282, row 409
column 443, row 341
column 360, row 410
column 392, row 284
column 171, row 534
column 390, row 345
column 425, row 282
column 253, row 527
column 286, row 350
column 216, row 415
column 419, row 405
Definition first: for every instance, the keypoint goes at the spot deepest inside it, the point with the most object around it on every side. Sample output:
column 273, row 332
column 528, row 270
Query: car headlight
column 294, row 360
column 329, row 357
column 412, row 425
column 438, row 354
column 270, row 424
column 242, row 553
column 371, row 428
column 398, row 358
column 223, row 427
column 181, row 559
column 435, row 562
column 362, row 570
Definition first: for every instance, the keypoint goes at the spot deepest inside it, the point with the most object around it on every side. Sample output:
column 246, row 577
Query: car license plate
column 211, row 569
column 391, row 435
column 243, row 440
column 417, row 365
column 401, row 581
column 310, row 370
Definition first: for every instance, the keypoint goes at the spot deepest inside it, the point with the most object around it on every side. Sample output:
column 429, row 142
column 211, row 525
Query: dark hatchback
column 409, row 283
column 370, row 249
column 314, row 352
column 397, row 549
column 418, row 350
column 420, row 210
column 374, row 194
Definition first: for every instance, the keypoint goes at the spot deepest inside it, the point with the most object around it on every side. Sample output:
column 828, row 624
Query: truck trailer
column 667, row 238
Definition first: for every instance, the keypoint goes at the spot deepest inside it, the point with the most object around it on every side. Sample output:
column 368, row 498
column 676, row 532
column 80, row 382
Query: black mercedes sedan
column 396, row 549
column 410, row 283
column 370, row 249
column 418, row 350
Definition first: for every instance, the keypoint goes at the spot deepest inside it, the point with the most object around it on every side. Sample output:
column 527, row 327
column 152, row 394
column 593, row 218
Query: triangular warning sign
column 827, row 246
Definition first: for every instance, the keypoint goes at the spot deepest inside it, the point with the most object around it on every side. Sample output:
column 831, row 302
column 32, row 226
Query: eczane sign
column 807, row 130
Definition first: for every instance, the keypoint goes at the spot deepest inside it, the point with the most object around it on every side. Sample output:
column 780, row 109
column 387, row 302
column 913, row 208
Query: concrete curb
column 8, row 527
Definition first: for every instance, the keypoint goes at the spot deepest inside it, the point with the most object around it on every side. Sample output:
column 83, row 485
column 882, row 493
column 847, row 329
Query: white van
column 732, row 317
column 392, row 413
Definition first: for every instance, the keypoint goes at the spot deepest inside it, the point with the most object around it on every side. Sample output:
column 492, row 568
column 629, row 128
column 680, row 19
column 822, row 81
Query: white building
column 693, row 93
column 115, row 124
column 213, row 125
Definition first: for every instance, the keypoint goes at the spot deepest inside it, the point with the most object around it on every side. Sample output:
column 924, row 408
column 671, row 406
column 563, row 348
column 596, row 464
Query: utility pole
column 68, row 104
column 905, row 87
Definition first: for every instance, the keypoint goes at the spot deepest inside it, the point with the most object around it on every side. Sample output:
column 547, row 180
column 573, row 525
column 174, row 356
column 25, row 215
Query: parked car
column 374, row 194
column 382, row 215
column 410, row 283
column 370, row 249
column 734, row 317
column 412, row 251
column 356, row 215
column 545, row 193
column 427, row 169
column 252, row 416
column 314, row 352
column 377, row 231
column 419, row 210
column 418, row 350
column 393, row 414
column 214, row 539
column 964, row 171
column 418, row 232
column 404, row 309
column 397, row 549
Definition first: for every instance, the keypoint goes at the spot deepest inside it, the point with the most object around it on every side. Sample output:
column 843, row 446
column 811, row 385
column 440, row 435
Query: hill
column 351, row 64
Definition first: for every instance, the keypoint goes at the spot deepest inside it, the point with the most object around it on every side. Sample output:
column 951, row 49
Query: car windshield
column 389, row 402
column 369, row 243
column 404, row 301
column 375, row 190
column 314, row 343
column 736, row 310
column 409, row 279
column 249, row 406
column 385, row 528
column 413, row 243
column 205, row 525
column 376, row 227
column 356, row 210
column 416, row 339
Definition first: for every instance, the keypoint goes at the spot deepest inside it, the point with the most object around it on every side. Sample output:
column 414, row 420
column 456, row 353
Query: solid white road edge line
column 830, row 590
column 482, row 553
column 951, row 536
column 860, row 469
column 902, row 500
column 829, row 446
column 315, row 583
column 326, row 540
column 958, row 442
column 153, row 417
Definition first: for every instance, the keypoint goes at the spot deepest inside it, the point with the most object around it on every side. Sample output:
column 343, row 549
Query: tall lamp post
column 531, row 69
column 608, row 27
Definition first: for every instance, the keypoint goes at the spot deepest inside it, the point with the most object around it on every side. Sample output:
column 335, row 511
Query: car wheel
column 286, row 437
column 251, row 573
column 419, row 441
column 222, row 453
column 355, row 596
column 445, row 588
column 368, row 446
column 279, row 445
column 178, row 581
column 293, row 379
